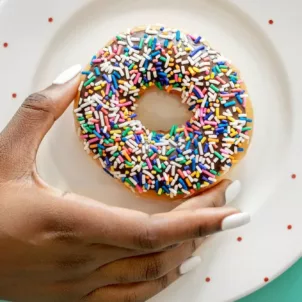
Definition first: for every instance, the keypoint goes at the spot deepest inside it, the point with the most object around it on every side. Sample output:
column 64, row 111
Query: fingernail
column 235, row 221
column 232, row 191
column 189, row 265
column 68, row 74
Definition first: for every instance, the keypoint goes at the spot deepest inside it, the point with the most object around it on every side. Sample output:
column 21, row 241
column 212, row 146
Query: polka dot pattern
column 239, row 239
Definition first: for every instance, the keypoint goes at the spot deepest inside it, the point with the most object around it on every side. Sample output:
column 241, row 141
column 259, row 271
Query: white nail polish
column 68, row 74
column 189, row 265
column 235, row 221
column 232, row 191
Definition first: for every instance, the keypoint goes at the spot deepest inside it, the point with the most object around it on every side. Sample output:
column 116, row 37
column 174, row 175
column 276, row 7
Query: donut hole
column 159, row 110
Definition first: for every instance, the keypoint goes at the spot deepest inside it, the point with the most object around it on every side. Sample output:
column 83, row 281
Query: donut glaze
column 188, row 158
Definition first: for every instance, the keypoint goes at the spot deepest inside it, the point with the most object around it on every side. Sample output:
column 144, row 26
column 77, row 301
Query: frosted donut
column 187, row 159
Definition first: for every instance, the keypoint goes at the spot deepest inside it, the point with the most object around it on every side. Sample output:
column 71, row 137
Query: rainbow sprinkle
column 187, row 157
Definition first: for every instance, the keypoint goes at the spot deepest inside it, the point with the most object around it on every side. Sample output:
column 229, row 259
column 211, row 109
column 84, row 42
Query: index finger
column 99, row 223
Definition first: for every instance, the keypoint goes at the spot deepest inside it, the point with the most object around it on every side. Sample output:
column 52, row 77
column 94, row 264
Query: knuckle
column 37, row 97
column 38, row 102
column 148, row 240
column 200, row 231
column 131, row 297
column 145, row 243
column 164, row 282
column 61, row 231
column 122, row 278
column 204, row 229
column 65, row 237
column 154, row 268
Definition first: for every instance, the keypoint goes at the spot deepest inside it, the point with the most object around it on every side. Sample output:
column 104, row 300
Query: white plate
column 268, row 56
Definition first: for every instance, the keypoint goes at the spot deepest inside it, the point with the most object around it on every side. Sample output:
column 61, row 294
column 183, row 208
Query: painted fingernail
column 68, row 74
column 189, row 265
column 232, row 191
column 235, row 221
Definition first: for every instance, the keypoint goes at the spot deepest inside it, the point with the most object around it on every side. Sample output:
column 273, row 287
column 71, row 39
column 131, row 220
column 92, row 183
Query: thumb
column 21, row 138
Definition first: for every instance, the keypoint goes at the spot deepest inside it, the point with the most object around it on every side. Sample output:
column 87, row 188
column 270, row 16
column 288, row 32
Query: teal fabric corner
column 286, row 288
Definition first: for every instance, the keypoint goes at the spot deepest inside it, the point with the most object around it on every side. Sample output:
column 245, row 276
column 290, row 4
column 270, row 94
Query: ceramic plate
column 40, row 38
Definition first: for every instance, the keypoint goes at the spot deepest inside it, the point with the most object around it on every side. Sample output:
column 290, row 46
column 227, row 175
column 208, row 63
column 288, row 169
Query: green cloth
column 286, row 288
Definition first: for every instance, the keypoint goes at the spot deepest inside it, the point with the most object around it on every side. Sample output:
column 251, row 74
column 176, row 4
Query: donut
column 188, row 158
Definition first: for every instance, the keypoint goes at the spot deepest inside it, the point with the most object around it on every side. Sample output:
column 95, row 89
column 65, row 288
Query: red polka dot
column 50, row 20
column 289, row 227
column 266, row 279
column 271, row 22
column 208, row 279
column 5, row 44
column 239, row 239
column 294, row 176
column 14, row 95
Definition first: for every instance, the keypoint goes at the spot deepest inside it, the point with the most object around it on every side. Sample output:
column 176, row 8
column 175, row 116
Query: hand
column 58, row 246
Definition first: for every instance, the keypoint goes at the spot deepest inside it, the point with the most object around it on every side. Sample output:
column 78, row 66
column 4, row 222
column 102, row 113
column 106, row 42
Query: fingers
column 22, row 136
column 178, row 226
column 223, row 193
column 98, row 223
column 143, row 268
column 137, row 292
